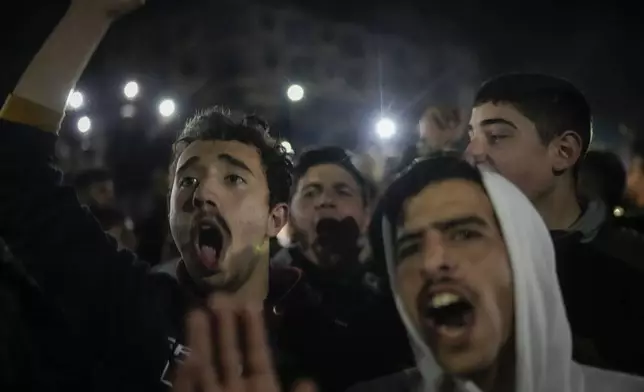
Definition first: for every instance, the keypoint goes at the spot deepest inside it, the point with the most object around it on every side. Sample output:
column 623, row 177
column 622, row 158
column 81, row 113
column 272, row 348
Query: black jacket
column 127, row 320
column 340, row 333
column 600, row 266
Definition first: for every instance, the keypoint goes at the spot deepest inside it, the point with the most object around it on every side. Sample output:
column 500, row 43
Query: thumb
column 304, row 386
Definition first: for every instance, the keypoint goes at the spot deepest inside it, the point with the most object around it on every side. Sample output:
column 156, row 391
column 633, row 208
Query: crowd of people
column 491, row 259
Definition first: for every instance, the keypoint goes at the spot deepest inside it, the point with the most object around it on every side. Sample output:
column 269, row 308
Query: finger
column 258, row 355
column 183, row 382
column 201, row 356
column 227, row 342
column 304, row 386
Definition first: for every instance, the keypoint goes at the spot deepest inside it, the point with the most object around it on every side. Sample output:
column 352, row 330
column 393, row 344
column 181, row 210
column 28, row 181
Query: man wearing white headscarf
column 472, row 269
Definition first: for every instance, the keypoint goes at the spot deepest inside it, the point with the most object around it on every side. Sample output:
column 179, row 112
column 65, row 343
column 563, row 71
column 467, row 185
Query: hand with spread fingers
column 229, row 351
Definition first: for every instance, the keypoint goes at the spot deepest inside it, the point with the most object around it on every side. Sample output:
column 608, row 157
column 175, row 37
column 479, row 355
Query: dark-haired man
column 535, row 129
column 341, row 327
column 230, row 185
column 472, row 268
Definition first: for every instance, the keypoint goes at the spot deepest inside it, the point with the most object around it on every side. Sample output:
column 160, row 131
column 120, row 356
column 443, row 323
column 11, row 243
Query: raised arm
column 56, row 68
column 42, row 222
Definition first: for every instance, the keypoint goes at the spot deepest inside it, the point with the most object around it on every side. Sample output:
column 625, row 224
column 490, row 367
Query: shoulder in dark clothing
column 128, row 319
column 601, row 283
column 406, row 381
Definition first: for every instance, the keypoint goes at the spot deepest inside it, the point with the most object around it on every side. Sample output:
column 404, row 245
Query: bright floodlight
column 75, row 99
column 131, row 90
column 167, row 107
column 84, row 124
column 295, row 92
column 386, row 128
column 287, row 146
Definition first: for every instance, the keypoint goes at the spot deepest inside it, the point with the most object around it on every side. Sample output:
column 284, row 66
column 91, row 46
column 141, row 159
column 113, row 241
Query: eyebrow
column 190, row 162
column 441, row 226
column 231, row 160
column 342, row 185
column 493, row 121
column 226, row 158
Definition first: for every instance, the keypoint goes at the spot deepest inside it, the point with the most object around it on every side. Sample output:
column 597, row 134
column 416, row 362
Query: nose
column 205, row 195
column 476, row 151
column 436, row 260
column 325, row 200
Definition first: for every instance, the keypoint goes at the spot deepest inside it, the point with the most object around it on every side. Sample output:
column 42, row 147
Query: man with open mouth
column 341, row 297
column 472, row 269
column 229, row 187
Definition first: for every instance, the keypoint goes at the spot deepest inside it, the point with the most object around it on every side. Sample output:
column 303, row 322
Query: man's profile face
column 509, row 142
column 453, row 275
column 326, row 191
column 219, row 212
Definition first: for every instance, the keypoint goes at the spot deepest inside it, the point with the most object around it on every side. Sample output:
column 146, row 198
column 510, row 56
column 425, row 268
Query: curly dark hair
column 218, row 123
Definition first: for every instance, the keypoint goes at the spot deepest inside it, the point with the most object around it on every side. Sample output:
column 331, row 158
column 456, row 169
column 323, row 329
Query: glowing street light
column 385, row 128
column 131, row 90
column 295, row 92
column 75, row 100
column 84, row 124
column 167, row 107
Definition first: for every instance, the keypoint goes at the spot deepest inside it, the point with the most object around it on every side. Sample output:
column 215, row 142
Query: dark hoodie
column 340, row 331
column 128, row 320
column 601, row 273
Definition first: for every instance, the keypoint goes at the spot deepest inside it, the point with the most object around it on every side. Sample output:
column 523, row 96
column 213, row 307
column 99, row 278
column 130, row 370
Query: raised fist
column 110, row 8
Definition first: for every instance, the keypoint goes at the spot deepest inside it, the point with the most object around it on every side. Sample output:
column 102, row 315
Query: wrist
column 85, row 15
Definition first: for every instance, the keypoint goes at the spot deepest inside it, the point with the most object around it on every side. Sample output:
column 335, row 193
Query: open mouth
column 210, row 244
column 449, row 313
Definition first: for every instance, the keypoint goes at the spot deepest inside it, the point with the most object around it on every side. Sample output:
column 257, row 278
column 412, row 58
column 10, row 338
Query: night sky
column 598, row 46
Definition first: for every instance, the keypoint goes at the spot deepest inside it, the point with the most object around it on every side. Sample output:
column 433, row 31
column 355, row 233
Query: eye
column 310, row 193
column 407, row 251
column 234, row 179
column 187, row 182
column 494, row 139
column 465, row 234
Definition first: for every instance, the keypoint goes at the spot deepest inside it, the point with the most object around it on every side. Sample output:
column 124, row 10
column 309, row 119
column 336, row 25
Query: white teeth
column 443, row 299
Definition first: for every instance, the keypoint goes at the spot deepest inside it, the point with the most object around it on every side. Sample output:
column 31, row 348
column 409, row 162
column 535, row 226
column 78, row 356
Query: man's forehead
column 206, row 152
column 444, row 201
column 328, row 173
column 490, row 110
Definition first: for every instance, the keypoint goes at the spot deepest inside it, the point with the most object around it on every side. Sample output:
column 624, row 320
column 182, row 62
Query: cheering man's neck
column 255, row 290
column 560, row 208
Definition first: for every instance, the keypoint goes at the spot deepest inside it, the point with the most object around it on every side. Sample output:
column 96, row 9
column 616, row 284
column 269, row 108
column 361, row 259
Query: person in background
column 229, row 193
column 440, row 129
column 95, row 187
column 635, row 177
column 117, row 225
column 472, row 267
column 340, row 326
column 602, row 176
column 633, row 204
column 153, row 229
column 534, row 130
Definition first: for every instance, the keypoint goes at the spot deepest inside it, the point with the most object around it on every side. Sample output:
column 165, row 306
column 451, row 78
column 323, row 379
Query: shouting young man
column 472, row 269
column 230, row 185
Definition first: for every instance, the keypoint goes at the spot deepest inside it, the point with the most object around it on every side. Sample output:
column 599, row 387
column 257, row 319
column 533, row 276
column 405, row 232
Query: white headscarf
column 542, row 332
